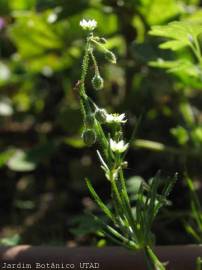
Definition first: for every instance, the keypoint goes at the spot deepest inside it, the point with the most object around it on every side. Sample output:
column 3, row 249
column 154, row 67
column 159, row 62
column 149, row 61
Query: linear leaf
column 96, row 197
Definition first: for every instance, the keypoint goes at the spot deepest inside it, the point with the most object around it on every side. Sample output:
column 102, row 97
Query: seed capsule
column 110, row 56
column 101, row 115
column 97, row 82
column 89, row 120
column 89, row 137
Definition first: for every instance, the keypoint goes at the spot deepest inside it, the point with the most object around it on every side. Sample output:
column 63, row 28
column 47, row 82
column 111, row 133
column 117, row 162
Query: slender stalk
column 199, row 263
column 83, row 97
column 84, row 67
column 152, row 260
column 94, row 62
column 148, row 260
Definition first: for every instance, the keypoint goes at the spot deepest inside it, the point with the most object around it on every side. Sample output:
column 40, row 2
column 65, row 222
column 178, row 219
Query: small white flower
column 88, row 24
column 109, row 175
column 118, row 147
column 52, row 18
column 116, row 118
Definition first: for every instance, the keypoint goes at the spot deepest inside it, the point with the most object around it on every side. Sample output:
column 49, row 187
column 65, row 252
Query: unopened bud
column 101, row 115
column 89, row 120
column 124, row 164
column 97, row 82
column 110, row 56
column 89, row 137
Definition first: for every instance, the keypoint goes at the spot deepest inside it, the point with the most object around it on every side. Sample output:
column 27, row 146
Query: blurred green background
column 43, row 161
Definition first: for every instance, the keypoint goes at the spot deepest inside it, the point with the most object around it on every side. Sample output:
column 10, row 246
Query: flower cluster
column 100, row 115
column 95, row 118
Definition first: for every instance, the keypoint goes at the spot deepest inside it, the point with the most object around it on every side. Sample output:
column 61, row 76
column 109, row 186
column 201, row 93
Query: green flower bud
column 110, row 56
column 89, row 120
column 97, row 82
column 119, row 133
column 89, row 137
column 101, row 115
column 124, row 164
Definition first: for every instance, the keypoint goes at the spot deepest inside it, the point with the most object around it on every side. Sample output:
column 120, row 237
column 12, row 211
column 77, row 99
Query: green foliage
column 28, row 160
column 158, row 11
column 198, row 263
column 40, row 120
column 11, row 241
column 181, row 34
column 195, row 227
column 181, row 134
column 83, row 225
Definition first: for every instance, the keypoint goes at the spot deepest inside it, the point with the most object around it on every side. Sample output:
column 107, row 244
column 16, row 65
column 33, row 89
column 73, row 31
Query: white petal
column 88, row 24
column 119, row 147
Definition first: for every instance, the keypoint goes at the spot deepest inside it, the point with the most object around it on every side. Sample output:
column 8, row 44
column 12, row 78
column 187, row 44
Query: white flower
column 88, row 24
column 116, row 118
column 52, row 18
column 118, row 147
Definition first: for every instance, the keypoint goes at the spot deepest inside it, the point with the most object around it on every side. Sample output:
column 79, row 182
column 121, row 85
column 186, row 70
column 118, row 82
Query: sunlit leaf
column 21, row 4
column 11, row 241
column 28, row 160
column 75, row 142
column 20, row 162
column 5, row 156
column 33, row 34
column 179, row 66
column 181, row 34
column 158, row 11
column 181, row 134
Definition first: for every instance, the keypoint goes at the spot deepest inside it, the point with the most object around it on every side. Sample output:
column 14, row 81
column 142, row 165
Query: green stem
column 148, row 260
column 95, row 63
column 115, row 190
column 99, row 45
column 102, row 140
column 123, row 185
column 152, row 260
column 85, row 106
column 199, row 263
column 84, row 67
column 127, row 204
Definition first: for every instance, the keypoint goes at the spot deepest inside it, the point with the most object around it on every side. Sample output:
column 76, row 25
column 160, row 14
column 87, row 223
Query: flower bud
column 119, row 133
column 97, row 82
column 110, row 56
column 124, row 164
column 89, row 137
column 101, row 115
column 89, row 120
